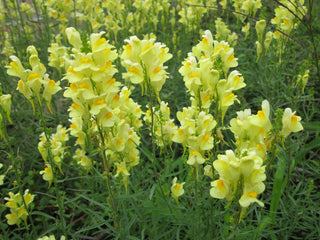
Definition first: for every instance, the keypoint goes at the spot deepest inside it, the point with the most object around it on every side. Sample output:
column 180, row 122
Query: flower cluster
column 59, row 10
column 241, row 172
column 202, row 70
column 82, row 11
column 7, row 48
column 247, row 7
column 116, row 18
column 288, row 15
column 59, row 57
column 144, row 61
column 34, row 82
column 252, row 131
column 148, row 10
column 100, row 110
column 195, row 133
column 54, row 149
column 163, row 127
column 18, row 205
column 224, row 33
column 191, row 16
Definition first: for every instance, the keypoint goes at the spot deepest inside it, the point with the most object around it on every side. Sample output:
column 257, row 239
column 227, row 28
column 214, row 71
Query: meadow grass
column 91, row 203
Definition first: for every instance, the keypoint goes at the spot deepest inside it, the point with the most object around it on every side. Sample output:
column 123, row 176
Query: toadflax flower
column 242, row 174
column 144, row 61
column 17, row 205
column 290, row 123
column 177, row 189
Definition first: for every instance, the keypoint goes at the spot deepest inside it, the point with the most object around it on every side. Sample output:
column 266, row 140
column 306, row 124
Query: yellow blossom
column 47, row 174
column 290, row 123
column 177, row 189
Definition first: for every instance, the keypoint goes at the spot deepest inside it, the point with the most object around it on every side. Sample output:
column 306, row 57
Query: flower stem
column 62, row 222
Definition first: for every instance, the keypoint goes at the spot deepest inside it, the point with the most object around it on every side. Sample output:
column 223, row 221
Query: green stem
column 54, row 172
column 17, row 8
column 38, row 15
column 75, row 13
column 237, row 223
column 195, row 173
column 149, row 90
column 106, row 174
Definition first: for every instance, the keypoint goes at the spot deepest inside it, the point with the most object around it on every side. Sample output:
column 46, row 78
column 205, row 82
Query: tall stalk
column 62, row 221
column 106, row 174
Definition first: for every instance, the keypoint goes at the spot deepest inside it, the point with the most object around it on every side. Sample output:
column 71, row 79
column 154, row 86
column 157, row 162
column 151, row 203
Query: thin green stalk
column 54, row 173
column 196, row 201
column 149, row 90
column 46, row 28
column 106, row 174
column 38, row 15
column 17, row 8
column 237, row 222
column 314, row 45
column 75, row 13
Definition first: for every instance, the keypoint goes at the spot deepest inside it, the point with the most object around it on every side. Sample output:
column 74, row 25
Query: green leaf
column 152, row 191
column 278, row 184
column 312, row 126
column 314, row 144
column 43, row 214
column 266, row 221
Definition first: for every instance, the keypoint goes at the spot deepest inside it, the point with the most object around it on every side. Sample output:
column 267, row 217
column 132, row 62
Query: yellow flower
column 15, row 67
column 267, row 40
column 252, row 184
column 144, row 61
column 249, row 197
column 177, row 189
column 208, row 171
column 260, row 26
column 195, row 158
column 246, row 30
column 13, row 219
column 123, row 172
column 206, row 142
column 5, row 103
column 228, row 168
column 82, row 159
column 74, row 37
column 220, row 189
column 18, row 212
column 290, row 123
column 50, row 88
column 47, row 174
column 259, row 50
